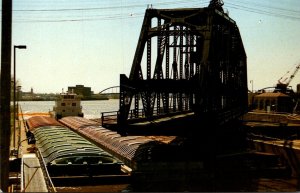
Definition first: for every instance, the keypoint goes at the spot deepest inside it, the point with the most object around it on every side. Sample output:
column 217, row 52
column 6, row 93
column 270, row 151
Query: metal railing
column 111, row 117
column 49, row 183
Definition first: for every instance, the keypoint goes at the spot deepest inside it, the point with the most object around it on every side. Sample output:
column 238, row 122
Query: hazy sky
column 91, row 42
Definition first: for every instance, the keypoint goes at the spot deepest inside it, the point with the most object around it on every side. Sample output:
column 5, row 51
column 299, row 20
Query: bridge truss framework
column 186, row 60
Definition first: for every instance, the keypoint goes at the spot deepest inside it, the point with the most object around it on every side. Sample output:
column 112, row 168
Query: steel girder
column 198, row 64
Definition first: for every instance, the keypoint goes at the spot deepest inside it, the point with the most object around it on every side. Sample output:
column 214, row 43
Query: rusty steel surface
column 78, row 122
column 40, row 121
column 129, row 149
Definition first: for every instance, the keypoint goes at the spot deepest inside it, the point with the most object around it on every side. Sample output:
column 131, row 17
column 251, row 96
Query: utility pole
column 5, row 89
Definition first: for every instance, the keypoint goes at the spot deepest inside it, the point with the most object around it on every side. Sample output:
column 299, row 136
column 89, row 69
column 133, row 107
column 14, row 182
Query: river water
column 91, row 109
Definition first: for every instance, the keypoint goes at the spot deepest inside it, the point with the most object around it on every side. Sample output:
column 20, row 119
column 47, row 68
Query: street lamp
column 19, row 47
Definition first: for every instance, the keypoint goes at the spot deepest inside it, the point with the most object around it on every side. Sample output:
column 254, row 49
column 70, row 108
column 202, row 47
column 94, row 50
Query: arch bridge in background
column 117, row 89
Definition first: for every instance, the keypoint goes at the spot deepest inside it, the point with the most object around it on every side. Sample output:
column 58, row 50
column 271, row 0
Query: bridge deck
column 164, row 124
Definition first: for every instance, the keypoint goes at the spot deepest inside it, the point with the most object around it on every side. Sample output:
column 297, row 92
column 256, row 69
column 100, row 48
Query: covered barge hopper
column 66, row 154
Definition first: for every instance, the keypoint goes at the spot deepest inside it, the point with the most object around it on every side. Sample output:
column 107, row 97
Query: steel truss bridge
column 186, row 60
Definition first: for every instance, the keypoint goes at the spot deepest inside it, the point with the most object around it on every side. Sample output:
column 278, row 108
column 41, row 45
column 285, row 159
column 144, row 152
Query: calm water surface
column 91, row 109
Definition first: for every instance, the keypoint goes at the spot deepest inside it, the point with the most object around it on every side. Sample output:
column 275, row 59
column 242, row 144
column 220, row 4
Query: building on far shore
column 85, row 92
column 25, row 95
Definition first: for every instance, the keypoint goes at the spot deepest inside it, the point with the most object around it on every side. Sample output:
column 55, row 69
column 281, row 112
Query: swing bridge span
column 187, row 61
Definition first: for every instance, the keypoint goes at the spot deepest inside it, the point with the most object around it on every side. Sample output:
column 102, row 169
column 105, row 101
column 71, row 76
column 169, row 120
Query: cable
column 112, row 13
column 86, row 17
column 102, row 8
column 266, row 11
column 268, row 7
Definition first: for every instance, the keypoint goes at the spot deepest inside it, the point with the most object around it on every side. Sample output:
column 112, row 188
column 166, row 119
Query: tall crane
column 285, row 80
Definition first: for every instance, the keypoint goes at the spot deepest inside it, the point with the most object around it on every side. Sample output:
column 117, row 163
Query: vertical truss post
column 180, row 95
column 136, row 104
column 181, row 53
column 186, row 69
column 149, row 59
column 167, row 55
column 158, row 62
column 174, row 68
column 187, row 52
column 147, row 96
column 192, row 53
column 166, row 97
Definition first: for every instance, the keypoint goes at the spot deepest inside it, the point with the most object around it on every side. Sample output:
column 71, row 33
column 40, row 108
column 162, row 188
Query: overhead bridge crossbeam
column 186, row 60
